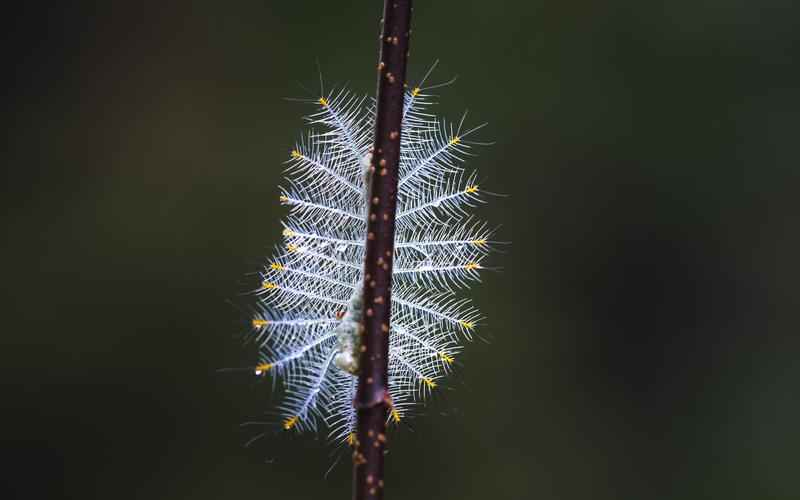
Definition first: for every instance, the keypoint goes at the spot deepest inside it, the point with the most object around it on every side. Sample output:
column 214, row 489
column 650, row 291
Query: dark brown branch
column 372, row 398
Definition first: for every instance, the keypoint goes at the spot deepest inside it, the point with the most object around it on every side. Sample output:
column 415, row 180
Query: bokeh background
column 642, row 336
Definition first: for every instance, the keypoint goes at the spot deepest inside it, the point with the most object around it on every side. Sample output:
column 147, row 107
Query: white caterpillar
column 310, row 295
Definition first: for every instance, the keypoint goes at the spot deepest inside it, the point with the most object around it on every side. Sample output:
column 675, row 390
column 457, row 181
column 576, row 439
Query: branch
column 372, row 400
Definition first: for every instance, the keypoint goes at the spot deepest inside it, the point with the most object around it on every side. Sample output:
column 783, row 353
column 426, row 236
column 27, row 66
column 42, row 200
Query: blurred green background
column 642, row 336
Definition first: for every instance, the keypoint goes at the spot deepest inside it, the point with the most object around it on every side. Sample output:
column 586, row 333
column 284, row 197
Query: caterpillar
column 308, row 307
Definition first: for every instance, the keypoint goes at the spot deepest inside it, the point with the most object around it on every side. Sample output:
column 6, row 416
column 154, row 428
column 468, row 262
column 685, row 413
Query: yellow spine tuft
column 258, row 323
column 471, row 189
column 472, row 265
column 283, row 198
column 290, row 422
column 415, row 92
column 289, row 233
column 469, row 325
column 322, row 102
column 351, row 439
column 446, row 358
column 268, row 285
column 296, row 154
column 479, row 243
column 263, row 368
column 455, row 140
column 276, row 267
column 395, row 416
column 430, row 383
column 291, row 247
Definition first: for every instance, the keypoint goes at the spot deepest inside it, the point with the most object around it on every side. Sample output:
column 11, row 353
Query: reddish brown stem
column 372, row 398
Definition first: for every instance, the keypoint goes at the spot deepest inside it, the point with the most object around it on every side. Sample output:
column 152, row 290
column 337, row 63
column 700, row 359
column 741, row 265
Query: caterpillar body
column 309, row 300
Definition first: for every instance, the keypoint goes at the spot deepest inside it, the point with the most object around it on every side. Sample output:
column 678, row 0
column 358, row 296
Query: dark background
column 642, row 338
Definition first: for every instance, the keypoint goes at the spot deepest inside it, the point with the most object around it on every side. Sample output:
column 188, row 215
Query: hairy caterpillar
column 309, row 300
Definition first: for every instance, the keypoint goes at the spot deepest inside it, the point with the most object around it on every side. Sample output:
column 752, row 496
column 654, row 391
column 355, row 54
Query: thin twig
column 372, row 398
